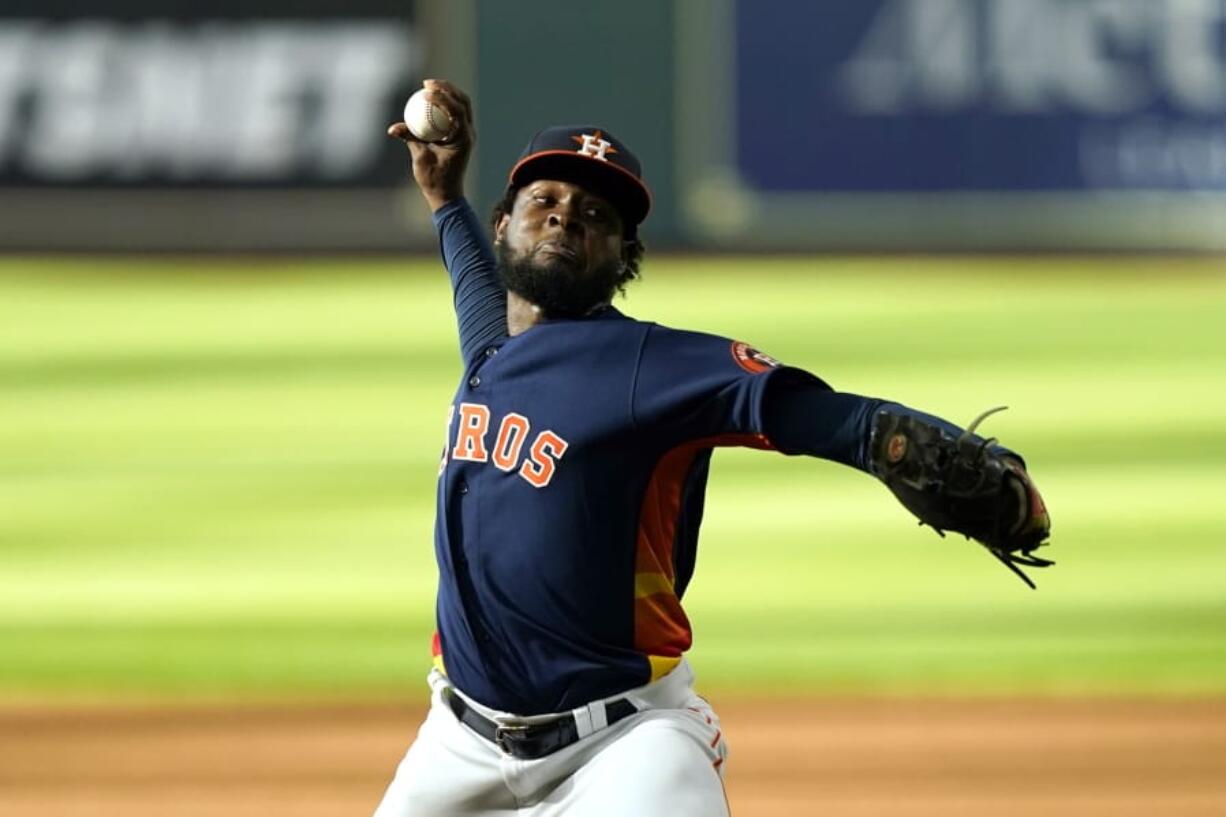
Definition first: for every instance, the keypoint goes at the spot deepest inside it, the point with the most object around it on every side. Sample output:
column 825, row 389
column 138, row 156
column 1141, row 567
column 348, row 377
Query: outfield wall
column 762, row 124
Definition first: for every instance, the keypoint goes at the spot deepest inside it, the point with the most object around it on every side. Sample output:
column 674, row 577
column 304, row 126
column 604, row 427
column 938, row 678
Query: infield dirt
column 901, row 758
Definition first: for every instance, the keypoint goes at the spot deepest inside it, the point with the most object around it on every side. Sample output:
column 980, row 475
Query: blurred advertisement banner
column 148, row 96
column 212, row 101
column 987, row 94
column 922, row 117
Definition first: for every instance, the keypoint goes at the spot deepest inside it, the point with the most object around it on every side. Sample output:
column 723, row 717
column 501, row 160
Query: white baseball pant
column 664, row 761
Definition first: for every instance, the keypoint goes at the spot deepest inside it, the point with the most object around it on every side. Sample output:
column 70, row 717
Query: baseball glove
column 962, row 484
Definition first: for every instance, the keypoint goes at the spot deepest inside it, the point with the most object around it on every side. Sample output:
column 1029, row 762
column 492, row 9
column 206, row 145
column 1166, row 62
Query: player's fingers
column 465, row 102
column 468, row 106
column 441, row 85
column 448, row 103
column 460, row 128
column 451, row 93
column 399, row 130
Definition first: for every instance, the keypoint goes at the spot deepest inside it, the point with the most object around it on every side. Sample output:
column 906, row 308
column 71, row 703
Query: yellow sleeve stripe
column 651, row 584
column 662, row 665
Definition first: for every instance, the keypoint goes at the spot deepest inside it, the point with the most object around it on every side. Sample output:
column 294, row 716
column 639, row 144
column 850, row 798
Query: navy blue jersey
column 571, row 487
column 570, row 501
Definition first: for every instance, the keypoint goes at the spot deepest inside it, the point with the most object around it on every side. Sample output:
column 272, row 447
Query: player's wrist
column 438, row 199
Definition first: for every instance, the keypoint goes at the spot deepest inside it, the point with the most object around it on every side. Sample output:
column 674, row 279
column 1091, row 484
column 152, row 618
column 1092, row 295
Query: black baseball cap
column 592, row 158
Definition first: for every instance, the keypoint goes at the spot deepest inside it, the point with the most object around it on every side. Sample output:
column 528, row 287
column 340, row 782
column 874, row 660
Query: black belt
column 535, row 740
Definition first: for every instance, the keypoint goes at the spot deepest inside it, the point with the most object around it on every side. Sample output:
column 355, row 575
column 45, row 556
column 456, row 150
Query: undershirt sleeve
column 804, row 418
column 480, row 299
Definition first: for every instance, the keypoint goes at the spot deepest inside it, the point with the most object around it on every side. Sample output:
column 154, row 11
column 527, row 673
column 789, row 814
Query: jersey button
column 490, row 352
column 462, row 487
column 474, row 382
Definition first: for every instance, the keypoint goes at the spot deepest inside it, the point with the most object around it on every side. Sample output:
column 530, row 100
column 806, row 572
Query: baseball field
column 216, row 569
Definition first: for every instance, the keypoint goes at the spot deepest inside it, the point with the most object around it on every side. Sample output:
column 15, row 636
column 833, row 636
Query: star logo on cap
column 594, row 145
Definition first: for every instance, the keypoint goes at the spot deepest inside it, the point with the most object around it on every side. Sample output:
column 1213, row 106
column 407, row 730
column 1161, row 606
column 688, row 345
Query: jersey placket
column 463, row 490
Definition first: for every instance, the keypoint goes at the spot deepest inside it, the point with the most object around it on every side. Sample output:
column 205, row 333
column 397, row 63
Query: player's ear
column 500, row 228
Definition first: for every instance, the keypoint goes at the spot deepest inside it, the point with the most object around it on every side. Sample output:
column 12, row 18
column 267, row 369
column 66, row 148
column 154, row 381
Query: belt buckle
column 503, row 734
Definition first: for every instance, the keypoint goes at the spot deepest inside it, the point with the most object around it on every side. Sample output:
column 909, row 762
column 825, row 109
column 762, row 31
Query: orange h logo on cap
column 594, row 145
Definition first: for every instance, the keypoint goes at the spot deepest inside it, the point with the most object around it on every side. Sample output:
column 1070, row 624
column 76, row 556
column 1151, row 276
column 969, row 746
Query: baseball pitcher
column 571, row 487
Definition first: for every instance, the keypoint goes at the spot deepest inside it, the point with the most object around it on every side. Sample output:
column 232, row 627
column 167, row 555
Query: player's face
column 560, row 248
column 561, row 220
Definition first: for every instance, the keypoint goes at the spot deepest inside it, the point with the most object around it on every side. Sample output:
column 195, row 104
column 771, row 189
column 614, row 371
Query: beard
column 556, row 285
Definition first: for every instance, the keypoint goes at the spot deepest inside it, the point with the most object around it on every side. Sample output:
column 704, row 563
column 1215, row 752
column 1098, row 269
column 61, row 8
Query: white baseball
column 427, row 121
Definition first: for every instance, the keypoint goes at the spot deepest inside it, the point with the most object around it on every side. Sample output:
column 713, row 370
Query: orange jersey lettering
column 470, row 439
column 539, row 468
column 446, row 440
column 511, row 437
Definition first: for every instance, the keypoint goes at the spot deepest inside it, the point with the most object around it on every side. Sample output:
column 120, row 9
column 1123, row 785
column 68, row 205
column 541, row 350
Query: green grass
column 217, row 479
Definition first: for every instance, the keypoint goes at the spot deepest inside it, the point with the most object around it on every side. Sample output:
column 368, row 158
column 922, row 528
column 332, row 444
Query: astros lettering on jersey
column 470, row 445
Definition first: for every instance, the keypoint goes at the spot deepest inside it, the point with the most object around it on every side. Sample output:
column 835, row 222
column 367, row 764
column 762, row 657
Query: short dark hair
column 632, row 250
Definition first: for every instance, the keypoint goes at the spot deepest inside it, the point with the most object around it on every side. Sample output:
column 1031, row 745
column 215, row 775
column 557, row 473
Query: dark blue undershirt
column 480, row 300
